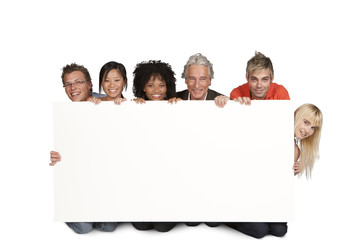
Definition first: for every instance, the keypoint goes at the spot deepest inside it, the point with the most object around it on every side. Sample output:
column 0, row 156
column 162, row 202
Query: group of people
column 155, row 80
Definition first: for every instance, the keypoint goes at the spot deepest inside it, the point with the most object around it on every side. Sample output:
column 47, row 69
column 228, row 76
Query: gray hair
column 198, row 59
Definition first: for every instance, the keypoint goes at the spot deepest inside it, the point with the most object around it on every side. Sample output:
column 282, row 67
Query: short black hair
column 145, row 70
column 107, row 68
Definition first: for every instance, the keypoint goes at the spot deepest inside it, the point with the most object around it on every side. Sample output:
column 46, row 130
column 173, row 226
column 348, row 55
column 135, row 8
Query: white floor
column 320, row 212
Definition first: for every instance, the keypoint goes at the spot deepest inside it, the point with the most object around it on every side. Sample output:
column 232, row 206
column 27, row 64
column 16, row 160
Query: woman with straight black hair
column 113, row 80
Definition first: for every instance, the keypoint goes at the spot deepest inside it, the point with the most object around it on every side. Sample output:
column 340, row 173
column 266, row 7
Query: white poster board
column 191, row 161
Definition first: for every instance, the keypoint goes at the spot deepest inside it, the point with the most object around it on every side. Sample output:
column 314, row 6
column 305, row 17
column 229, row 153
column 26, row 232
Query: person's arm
column 139, row 100
column 119, row 100
column 54, row 157
column 174, row 100
column 234, row 94
column 221, row 101
column 94, row 100
column 283, row 94
column 298, row 166
column 243, row 100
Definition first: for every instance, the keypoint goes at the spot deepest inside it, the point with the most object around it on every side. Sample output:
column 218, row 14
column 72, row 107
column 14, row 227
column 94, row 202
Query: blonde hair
column 310, row 145
column 259, row 62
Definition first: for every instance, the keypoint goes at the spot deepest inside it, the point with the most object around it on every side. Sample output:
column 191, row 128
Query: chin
column 200, row 96
column 301, row 137
column 76, row 99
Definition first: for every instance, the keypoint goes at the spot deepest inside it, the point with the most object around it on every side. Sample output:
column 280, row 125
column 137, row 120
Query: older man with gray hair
column 198, row 73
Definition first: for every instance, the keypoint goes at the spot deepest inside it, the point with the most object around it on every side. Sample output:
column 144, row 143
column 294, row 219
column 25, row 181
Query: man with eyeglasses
column 77, row 82
column 78, row 86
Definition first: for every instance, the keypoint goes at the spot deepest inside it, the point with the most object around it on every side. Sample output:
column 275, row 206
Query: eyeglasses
column 76, row 83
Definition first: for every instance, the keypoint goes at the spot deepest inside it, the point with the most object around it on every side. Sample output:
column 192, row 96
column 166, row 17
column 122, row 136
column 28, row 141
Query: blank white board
column 190, row 161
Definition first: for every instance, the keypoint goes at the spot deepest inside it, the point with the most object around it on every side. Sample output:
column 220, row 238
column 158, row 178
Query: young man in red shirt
column 260, row 86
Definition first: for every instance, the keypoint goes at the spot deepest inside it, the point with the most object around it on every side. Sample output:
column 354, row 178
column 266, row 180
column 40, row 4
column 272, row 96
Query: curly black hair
column 145, row 70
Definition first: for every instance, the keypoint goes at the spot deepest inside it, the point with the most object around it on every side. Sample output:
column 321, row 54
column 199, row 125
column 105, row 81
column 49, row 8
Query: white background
column 314, row 46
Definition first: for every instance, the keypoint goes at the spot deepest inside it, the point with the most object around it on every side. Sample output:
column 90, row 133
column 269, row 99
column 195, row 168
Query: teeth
column 111, row 90
column 74, row 94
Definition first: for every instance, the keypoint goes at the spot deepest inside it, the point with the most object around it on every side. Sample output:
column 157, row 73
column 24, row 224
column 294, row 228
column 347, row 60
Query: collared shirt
column 203, row 100
column 275, row 92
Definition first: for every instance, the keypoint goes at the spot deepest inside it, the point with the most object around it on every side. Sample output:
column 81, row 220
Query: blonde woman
column 307, row 132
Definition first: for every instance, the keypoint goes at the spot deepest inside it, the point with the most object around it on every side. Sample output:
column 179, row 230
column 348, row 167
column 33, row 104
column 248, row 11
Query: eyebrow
column 107, row 77
column 311, row 123
column 74, row 80
column 152, row 80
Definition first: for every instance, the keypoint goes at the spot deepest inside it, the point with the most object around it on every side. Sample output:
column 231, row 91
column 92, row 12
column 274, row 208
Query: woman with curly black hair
column 154, row 81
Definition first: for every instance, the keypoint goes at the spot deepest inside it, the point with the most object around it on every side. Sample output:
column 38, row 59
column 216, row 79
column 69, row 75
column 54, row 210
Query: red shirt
column 275, row 92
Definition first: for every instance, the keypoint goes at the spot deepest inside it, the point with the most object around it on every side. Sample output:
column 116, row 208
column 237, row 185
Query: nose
column 156, row 89
column 308, row 129
column 72, row 85
column 197, row 83
column 258, row 84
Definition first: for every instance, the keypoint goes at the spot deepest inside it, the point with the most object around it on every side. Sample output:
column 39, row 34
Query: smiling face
column 198, row 81
column 305, row 129
column 113, row 84
column 155, row 89
column 76, row 86
column 259, row 83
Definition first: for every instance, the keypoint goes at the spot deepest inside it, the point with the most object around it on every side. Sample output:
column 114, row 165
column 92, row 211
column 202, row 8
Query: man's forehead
column 73, row 76
column 261, row 72
column 196, row 69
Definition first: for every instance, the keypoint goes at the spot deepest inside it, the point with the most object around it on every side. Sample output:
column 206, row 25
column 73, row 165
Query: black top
column 211, row 94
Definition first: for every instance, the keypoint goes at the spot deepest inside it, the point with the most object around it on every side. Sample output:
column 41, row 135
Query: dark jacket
column 211, row 95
